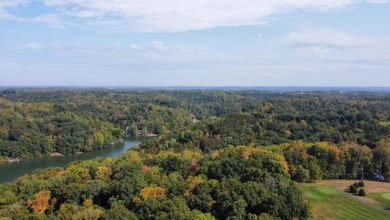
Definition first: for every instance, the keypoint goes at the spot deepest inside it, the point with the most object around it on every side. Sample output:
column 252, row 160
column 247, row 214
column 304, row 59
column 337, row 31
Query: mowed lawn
column 331, row 202
column 382, row 198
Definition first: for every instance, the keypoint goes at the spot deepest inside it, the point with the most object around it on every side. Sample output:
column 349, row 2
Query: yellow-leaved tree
column 40, row 203
column 150, row 191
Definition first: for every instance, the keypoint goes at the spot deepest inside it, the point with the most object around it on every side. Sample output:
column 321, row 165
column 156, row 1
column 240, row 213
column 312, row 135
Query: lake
column 11, row 171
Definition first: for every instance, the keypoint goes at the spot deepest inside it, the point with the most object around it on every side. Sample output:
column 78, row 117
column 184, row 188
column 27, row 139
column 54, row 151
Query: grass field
column 382, row 198
column 330, row 201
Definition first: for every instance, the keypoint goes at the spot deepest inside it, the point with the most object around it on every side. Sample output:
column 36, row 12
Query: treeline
column 315, row 161
column 309, row 157
column 85, row 122
column 275, row 118
column 202, row 104
column 38, row 121
column 230, row 183
column 28, row 129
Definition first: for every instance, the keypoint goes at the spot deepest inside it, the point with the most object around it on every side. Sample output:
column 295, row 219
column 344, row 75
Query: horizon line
column 234, row 88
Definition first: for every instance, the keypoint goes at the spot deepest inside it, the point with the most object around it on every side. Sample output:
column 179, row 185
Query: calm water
column 11, row 171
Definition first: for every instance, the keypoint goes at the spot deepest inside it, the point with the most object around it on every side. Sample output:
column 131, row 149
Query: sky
column 195, row 43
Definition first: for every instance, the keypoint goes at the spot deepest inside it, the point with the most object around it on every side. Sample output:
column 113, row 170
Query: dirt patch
column 377, row 187
column 368, row 200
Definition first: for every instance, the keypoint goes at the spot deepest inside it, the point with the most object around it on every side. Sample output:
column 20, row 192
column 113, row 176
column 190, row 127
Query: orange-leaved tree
column 40, row 203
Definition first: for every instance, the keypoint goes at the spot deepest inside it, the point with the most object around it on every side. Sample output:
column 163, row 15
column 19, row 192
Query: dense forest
column 36, row 122
column 235, row 182
column 238, row 160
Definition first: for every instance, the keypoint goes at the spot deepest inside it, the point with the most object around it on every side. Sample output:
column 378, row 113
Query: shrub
column 356, row 184
column 353, row 189
column 362, row 192
column 361, row 184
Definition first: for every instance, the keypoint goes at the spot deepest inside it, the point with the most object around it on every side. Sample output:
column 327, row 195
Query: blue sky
column 195, row 43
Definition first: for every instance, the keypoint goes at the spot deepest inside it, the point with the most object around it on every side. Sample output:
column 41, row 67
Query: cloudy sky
column 195, row 43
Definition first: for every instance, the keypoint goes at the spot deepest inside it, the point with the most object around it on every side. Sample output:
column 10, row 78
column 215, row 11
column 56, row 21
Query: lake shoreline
column 58, row 154
column 11, row 171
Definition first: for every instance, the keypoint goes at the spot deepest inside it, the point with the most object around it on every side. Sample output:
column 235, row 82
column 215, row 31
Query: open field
column 331, row 202
column 382, row 198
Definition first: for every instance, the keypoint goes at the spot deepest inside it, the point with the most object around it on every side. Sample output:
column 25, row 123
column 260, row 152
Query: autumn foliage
column 151, row 191
column 40, row 202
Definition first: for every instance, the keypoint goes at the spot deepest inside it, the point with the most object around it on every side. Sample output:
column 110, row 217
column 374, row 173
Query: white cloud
column 98, row 49
column 174, row 15
column 10, row 64
column 12, row 3
column 325, row 39
column 158, row 45
column 4, row 14
column 52, row 20
column 377, row 1
column 134, row 47
column 35, row 46
column 54, row 46
column 86, row 14
column 5, row 4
